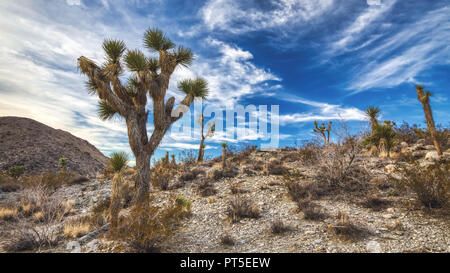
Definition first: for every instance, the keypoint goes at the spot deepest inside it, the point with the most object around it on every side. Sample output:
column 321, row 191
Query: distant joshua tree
column 150, row 75
column 211, row 129
column 424, row 98
column 373, row 113
column 224, row 155
column 324, row 131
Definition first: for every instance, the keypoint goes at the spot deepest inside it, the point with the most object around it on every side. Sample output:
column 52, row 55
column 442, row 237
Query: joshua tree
column 166, row 159
column 324, row 131
column 174, row 163
column 118, row 162
column 383, row 137
column 224, row 155
column 150, row 75
column 423, row 97
column 62, row 162
column 211, row 129
column 373, row 112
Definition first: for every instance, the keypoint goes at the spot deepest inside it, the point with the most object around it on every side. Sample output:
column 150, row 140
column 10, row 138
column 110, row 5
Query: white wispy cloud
column 403, row 56
column 321, row 111
column 352, row 34
column 242, row 16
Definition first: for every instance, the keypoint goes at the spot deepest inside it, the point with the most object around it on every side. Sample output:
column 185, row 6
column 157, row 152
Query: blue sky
column 317, row 59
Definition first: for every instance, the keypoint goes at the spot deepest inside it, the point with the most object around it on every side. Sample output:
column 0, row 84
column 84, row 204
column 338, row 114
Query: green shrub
column 16, row 171
column 431, row 184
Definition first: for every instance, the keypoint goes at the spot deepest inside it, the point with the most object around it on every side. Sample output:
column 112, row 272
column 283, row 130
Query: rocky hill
column 38, row 147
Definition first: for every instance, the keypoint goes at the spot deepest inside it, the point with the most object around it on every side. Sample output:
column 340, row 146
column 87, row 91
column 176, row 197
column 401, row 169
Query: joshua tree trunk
column 224, row 157
column 424, row 99
column 200, row 150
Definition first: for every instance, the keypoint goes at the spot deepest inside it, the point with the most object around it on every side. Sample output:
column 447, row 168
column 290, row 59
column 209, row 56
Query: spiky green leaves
column 105, row 110
column 114, row 50
column 373, row 112
column 155, row 40
column 184, row 56
column 153, row 65
column 198, row 87
column 136, row 61
column 118, row 161
column 91, row 86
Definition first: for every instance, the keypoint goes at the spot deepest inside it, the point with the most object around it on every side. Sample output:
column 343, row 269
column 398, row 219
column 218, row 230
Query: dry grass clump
column 206, row 188
column 376, row 203
column 279, row 227
column 147, row 225
column 191, row 175
column 431, row 184
column 8, row 213
column 346, row 229
column 242, row 207
column 311, row 211
column 226, row 173
column 9, row 184
column 25, row 237
column 275, row 167
column 339, row 168
column 227, row 240
column 161, row 174
column 76, row 228
column 237, row 189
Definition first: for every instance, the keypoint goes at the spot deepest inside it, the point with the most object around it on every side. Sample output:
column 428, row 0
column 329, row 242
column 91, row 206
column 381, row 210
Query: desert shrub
column 279, row 227
column 340, row 169
column 346, row 229
column 77, row 227
column 50, row 180
column 24, row 237
column 242, row 207
column 8, row 184
column 298, row 190
column 188, row 157
column 227, row 240
column 275, row 167
column 161, row 174
column 16, row 171
column 312, row 211
column 376, row 203
column 237, row 189
column 411, row 134
column 206, row 188
column 191, row 175
column 147, row 225
column 77, row 180
column 240, row 153
column 42, row 198
column 431, row 184
column 226, row 173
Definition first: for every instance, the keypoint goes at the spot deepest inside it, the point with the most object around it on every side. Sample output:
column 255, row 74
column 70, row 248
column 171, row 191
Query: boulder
column 432, row 156
column 373, row 247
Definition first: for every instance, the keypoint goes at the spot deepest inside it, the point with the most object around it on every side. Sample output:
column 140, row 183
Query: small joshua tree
column 118, row 163
column 211, row 129
column 324, row 131
column 62, row 162
column 424, row 98
column 224, row 155
column 373, row 113
column 383, row 137
column 149, row 76
column 174, row 163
